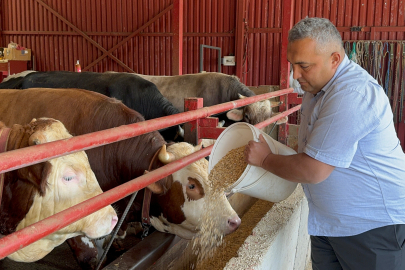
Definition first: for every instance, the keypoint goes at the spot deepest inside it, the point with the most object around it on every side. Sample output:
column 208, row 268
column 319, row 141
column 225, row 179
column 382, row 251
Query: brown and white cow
column 214, row 88
column 178, row 199
column 38, row 191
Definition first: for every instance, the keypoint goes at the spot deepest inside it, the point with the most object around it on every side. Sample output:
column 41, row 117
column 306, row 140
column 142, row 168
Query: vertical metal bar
column 202, row 46
column 219, row 59
column 177, row 64
column 201, row 57
column 117, row 227
column 287, row 23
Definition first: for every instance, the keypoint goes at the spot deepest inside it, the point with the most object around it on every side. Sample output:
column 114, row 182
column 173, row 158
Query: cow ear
column 156, row 188
column 198, row 146
column 235, row 115
column 36, row 138
column 37, row 175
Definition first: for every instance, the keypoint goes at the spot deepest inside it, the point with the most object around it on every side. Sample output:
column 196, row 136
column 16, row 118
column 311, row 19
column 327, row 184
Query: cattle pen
column 39, row 153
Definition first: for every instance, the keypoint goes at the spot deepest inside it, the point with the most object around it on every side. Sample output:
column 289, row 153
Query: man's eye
column 304, row 67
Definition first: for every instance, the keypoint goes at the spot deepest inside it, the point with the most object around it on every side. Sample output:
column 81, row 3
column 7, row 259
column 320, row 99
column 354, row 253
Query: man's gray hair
column 319, row 29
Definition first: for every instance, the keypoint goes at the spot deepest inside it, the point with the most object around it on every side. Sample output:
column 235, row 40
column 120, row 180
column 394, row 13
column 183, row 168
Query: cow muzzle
column 233, row 224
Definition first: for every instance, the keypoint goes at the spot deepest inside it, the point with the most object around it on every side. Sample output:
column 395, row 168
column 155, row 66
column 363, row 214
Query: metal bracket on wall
column 202, row 46
column 356, row 29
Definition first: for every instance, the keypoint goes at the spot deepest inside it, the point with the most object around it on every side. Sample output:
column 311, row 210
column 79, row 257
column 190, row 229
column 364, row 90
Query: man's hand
column 256, row 152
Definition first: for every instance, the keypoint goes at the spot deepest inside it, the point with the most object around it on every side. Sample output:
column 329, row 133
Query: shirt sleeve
column 344, row 117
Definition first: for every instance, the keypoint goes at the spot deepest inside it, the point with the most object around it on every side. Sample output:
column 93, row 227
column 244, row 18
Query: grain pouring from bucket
column 222, row 176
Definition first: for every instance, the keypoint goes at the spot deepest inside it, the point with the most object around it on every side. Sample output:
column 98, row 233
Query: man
column 349, row 160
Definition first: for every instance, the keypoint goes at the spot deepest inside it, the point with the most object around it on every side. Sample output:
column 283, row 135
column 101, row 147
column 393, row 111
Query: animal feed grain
column 222, row 176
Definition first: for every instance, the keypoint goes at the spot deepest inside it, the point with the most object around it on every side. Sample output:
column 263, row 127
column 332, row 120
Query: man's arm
column 299, row 168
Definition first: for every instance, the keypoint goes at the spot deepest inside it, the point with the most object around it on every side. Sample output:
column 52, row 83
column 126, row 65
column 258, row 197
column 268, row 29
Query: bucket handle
column 256, row 139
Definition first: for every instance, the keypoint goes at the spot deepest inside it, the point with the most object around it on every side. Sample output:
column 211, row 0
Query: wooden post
column 239, row 39
column 287, row 24
column 177, row 64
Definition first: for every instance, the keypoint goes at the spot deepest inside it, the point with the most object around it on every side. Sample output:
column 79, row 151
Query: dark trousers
column 377, row 249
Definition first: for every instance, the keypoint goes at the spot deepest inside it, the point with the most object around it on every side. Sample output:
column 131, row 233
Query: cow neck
column 147, row 196
column 4, row 135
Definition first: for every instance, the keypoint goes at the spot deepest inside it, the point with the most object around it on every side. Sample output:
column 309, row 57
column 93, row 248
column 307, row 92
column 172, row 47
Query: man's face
column 312, row 68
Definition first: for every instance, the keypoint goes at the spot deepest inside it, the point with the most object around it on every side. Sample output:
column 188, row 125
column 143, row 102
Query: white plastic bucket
column 254, row 181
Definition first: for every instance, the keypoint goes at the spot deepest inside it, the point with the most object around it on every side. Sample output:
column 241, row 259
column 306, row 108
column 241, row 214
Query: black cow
column 134, row 91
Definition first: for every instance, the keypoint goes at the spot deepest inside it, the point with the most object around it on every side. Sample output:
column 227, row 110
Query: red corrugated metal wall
column 211, row 23
column 56, row 31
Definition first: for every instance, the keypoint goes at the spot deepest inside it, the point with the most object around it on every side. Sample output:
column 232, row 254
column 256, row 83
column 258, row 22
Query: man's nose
column 296, row 73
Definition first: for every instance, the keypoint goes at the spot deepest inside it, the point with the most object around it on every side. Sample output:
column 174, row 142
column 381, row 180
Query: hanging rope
column 367, row 63
column 396, row 81
column 387, row 75
column 352, row 55
column 347, row 48
column 390, row 70
column 378, row 51
column 360, row 53
column 401, row 107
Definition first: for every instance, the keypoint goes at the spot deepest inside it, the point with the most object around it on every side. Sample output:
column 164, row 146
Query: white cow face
column 70, row 181
column 191, row 183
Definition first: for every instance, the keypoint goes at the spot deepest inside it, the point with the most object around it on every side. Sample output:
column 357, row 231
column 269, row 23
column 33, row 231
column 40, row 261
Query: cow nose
column 233, row 223
column 114, row 222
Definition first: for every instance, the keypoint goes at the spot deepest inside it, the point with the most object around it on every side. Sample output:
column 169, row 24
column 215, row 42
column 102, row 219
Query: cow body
column 178, row 199
column 214, row 88
column 38, row 191
column 135, row 92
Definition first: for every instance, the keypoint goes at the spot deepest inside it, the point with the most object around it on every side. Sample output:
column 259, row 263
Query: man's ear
column 336, row 59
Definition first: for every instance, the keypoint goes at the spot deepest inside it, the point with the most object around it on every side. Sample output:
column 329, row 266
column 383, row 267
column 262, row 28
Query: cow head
column 58, row 184
column 255, row 113
column 182, row 198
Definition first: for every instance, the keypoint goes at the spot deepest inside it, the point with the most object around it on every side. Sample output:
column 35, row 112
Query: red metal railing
column 35, row 154
column 22, row 157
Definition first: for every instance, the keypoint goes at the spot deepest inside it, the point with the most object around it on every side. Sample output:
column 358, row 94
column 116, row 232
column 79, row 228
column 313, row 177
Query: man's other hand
column 256, row 152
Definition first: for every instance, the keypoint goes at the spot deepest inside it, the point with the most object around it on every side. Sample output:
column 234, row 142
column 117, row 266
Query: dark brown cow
column 38, row 191
column 181, row 201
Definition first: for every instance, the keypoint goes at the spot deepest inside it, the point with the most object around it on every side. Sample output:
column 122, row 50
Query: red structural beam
column 240, row 39
column 177, row 59
column 287, row 24
column 40, row 229
column 35, row 154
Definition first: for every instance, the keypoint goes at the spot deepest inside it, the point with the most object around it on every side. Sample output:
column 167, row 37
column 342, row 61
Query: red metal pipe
column 35, row 154
column 278, row 117
column 40, row 229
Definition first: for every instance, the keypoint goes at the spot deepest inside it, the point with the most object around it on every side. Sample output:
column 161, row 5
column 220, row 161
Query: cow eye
column 192, row 186
column 246, row 117
column 68, row 178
